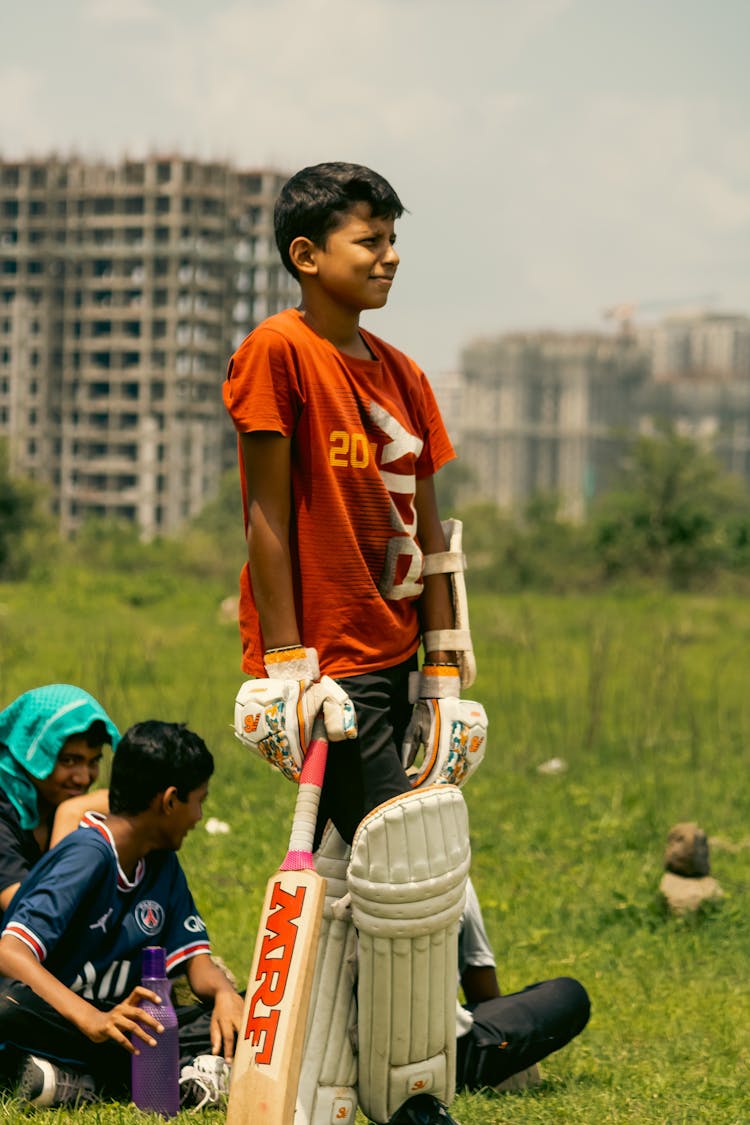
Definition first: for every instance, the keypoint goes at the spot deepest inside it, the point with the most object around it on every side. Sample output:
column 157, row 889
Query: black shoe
column 43, row 1083
column 422, row 1110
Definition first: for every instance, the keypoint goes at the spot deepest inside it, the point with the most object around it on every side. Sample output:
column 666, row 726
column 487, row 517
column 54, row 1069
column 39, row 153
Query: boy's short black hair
column 312, row 203
column 150, row 757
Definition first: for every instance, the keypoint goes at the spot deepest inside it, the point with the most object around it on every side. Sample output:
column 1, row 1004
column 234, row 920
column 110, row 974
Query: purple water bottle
column 155, row 1071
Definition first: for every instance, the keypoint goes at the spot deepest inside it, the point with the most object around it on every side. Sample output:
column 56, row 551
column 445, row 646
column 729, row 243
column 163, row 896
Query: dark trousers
column 28, row 1025
column 364, row 772
column 511, row 1033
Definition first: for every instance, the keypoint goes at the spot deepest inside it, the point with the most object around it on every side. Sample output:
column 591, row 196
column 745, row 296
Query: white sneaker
column 204, row 1082
column 44, row 1083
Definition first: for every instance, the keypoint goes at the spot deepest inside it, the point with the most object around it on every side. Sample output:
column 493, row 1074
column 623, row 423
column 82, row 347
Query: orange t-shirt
column 363, row 432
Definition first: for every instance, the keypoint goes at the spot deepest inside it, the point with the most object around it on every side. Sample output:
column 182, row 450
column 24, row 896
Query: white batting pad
column 407, row 878
column 458, row 640
column 327, row 1092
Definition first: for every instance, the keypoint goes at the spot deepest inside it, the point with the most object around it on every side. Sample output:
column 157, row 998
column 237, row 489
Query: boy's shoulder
column 276, row 339
column 87, row 837
column 286, row 339
column 384, row 350
column 79, row 855
column 287, row 324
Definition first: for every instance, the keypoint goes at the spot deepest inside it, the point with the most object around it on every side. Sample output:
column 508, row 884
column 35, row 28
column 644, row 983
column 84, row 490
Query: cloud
column 116, row 12
column 725, row 206
column 303, row 76
column 546, row 175
column 22, row 122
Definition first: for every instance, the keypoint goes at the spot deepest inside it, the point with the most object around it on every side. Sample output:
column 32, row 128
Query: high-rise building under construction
column 123, row 290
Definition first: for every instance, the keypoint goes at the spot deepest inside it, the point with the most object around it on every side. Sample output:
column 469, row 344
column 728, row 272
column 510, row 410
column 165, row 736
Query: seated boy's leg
column 512, row 1032
column 194, row 1025
column 10, row 1063
column 366, row 771
column 31, row 1026
column 204, row 1077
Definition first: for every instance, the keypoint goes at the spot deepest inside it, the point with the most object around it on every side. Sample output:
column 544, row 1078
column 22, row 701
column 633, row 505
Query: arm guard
column 453, row 562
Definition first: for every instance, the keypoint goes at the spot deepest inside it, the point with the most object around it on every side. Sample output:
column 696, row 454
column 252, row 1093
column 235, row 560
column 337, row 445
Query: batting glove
column 274, row 717
column 317, row 693
column 450, row 732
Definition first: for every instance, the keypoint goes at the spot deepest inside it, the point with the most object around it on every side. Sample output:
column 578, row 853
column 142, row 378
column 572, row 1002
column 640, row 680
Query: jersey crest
column 149, row 916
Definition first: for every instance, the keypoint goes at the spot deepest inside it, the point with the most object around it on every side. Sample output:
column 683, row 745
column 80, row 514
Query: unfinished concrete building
column 700, row 346
column 123, row 290
column 547, row 412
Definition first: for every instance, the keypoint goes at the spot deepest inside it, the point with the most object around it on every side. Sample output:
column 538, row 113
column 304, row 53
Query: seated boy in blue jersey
column 70, row 950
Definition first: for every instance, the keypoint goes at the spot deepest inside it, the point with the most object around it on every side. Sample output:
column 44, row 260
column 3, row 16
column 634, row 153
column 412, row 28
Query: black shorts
column 364, row 772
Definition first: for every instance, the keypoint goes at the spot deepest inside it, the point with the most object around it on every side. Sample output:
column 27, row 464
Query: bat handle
column 299, row 854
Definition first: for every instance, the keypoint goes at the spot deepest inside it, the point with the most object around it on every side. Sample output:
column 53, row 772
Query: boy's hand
column 435, row 681
column 292, row 662
column 451, row 732
column 226, row 1021
column 316, row 693
column 124, row 1020
column 274, row 717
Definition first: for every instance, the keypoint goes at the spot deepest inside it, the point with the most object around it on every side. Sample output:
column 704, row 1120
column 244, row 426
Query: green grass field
column 645, row 698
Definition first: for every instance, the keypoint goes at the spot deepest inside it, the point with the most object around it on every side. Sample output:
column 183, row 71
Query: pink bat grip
column 299, row 855
column 314, row 765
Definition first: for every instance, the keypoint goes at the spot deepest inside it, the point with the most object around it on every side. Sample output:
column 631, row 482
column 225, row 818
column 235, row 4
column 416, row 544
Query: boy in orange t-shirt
column 349, row 569
column 339, row 437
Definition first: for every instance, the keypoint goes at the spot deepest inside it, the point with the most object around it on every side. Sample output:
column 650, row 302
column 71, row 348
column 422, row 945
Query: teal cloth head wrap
column 33, row 729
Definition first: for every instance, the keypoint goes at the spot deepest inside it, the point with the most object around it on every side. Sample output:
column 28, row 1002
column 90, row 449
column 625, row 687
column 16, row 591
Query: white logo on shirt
column 194, row 924
column 102, row 923
column 401, row 486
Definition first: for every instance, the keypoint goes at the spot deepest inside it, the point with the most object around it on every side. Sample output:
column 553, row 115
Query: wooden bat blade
column 268, row 1055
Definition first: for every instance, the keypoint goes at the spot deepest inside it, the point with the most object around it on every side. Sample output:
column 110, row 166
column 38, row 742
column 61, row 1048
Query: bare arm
column 6, row 894
column 67, row 818
column 436, row 604
column 68, row 814
column 267, row 462
column 209, row 983
column 479, row 982
column 19, row 963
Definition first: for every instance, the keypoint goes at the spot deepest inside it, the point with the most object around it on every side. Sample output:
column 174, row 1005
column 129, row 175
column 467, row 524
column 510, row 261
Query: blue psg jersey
column 87, row 923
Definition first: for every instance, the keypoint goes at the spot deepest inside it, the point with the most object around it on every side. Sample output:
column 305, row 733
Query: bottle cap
column 154, row 962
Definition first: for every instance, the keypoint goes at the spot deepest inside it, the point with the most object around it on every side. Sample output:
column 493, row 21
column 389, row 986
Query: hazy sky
column 556, row 156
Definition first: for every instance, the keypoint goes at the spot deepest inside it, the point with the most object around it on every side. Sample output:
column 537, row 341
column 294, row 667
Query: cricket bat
column 268, row 1054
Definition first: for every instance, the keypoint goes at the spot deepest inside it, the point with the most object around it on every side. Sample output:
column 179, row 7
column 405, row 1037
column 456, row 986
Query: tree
column 454, row 482
column 20, row 515
column 676, row 515
column 214, row 542
column 538, row 550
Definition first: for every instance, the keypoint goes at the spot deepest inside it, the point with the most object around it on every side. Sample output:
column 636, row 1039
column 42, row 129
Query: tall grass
column 644, row 699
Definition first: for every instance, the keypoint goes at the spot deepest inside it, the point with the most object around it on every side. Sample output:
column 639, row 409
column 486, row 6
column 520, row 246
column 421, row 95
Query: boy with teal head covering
column 51, row 741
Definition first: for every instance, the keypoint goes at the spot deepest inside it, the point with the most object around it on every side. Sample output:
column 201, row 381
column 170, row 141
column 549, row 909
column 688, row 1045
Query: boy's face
column 356, row 266
column 76, row 769
column 185, row 815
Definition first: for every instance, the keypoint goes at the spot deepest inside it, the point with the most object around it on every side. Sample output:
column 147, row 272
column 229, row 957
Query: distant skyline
column 557, row 157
